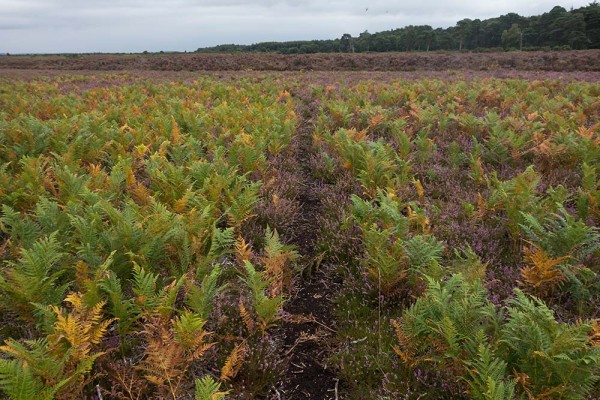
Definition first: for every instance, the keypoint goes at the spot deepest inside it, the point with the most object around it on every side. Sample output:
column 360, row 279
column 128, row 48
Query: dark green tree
column 512, row 38
column 462, row 31
column 346, row 43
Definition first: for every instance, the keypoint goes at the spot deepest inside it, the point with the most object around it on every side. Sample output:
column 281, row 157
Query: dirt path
column 309, row 327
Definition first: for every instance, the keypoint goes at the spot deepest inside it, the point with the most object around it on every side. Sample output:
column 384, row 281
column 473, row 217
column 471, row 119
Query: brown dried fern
column 234, row 361
column 170, row 349
column 541, row 273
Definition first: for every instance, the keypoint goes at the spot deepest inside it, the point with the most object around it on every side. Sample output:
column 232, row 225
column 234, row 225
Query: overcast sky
column 51, row 26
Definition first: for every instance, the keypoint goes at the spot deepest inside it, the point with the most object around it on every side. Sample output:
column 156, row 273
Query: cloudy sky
column 48, row 26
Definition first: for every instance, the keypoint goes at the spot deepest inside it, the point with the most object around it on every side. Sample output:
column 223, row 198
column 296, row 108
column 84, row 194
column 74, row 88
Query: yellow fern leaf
column 375, row 121
column 76, row 301
column 541, row 272
column 130, row 179
column 595, row 333
column 94, row 170
column 140, row 151
column 81, row 327
column 403, row 341
column 234, row 362
column 181, row 204
column 481, row 205
column 246, row 317
column 419, row 189
column 243, row 251
column 175, row 132
column 139, row 193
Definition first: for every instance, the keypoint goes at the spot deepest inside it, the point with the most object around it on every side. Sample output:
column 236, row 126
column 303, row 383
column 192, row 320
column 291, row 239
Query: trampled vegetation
column 154, row 237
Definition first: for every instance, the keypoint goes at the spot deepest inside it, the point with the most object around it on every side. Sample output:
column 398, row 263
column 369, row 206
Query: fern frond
column 80, row 328
column 276, row 262
column 542, row 273
column 385, row 259
column 488, row 377
column 34, row 278
column 234, row 361
column 423, row 251
column 557, row 358
column 246, row 317
column 18, row 382
column 164, row 361
column 561, row 235
column 126, row 311
column 243, row 250
column 208, row 389
column 200, row 298
column 267, row 308
column 189, row 333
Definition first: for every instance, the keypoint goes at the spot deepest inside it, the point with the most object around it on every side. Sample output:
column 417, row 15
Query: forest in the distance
column 557, row 29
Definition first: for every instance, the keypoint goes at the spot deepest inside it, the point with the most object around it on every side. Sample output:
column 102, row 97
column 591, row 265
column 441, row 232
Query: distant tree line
column 557, row 29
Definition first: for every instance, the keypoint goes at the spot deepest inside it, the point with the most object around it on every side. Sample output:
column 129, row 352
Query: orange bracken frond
column 234, row 361
column 419, row 189
column 595, row 333
column 246, row 317
column 541, row 272
column 243, row 250
column 375, row 121
column 175, row 132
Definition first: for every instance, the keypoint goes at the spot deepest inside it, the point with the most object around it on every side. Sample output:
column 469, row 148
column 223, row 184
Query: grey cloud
column 137, row 25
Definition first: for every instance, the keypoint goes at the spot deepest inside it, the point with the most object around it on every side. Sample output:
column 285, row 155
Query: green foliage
column 454, row 326
column 560, row 234
column 424, row 253
column 385, row 210
column 128, row 195
column 555, row 360
column 125, row 310
column 34, row 277
column 563, row 237
column 385, row 259
column 131, row 196
column 374, row 163
column 267, row 307
column 59, row 363
column 19, row 383
column 200, row 297
column 456, row 157
column 468, row 264
column 557, row 28
column 442, row 325
column 516, row 196
column 154, row 298
column 487, row 376
column 21, row 228
column 392, row 254
column 589, row 193
column 208, row 389
column 424, row 148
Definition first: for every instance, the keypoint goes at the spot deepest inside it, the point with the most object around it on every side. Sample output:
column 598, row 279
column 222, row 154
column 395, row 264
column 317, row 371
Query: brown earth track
column 580, row 60
column 309, row 328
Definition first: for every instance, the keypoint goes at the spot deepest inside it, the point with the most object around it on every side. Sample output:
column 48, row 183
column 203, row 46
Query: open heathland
column 580, row 60
column 355, row 235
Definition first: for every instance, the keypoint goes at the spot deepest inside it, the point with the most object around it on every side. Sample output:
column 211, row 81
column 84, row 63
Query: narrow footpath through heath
column 309, row 326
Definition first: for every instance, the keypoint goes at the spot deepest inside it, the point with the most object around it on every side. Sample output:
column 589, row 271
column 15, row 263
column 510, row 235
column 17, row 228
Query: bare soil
column 309, row 329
